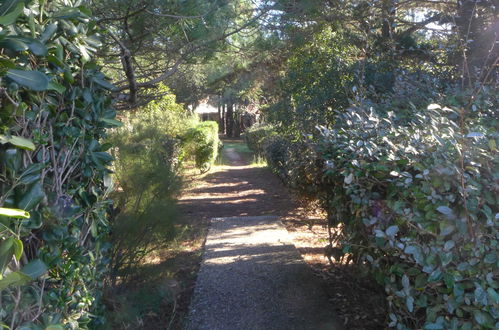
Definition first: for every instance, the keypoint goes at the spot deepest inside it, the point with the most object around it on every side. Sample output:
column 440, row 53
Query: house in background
column 232, row 118
column 207, row 111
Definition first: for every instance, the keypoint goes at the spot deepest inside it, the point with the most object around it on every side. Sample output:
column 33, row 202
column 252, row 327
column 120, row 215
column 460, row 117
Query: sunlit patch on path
column 252, row 277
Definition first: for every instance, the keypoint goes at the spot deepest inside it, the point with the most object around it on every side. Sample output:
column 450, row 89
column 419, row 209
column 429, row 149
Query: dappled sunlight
column 235, row 190
column 251, row 260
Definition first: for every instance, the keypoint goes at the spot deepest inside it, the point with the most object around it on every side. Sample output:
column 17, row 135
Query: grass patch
column 242, row 149
column 258, row 161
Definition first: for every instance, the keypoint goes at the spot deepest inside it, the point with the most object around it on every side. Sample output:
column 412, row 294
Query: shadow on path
column 251, row 276
column 236, row 190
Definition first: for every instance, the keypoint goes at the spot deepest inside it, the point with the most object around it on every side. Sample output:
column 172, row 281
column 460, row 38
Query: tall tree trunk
column 229, row 119
column 222, row 122
column 219, row 110
column 477, row 23
column 237, row 123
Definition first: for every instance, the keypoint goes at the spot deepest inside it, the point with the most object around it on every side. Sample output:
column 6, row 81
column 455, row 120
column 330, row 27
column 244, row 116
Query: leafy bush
column 202, row 143
column 147, row 169
column 419, row 204
column 55, row 106
column 256, row 135
column 295, row 162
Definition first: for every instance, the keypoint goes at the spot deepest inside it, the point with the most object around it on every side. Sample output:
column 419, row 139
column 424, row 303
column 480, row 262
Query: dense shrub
column 148, row 155
column 417, row 201
column 419, row 204
column 316, row 82
column 55, row 106
column 202, row 143
column 295, row 162
column 256, row 135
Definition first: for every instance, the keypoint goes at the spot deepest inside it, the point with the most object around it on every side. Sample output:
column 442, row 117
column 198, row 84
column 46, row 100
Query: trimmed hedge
column 256, row 135
column 202, row 143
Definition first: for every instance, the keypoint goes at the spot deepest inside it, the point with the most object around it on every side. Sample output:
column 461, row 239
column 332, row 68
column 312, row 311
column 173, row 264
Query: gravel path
column 252, row 277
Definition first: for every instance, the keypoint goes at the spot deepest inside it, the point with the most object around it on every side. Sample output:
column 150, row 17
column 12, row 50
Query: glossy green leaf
column 48, row 32
column 7, row 64
column 6, row 253
column 392, row 230
column 68, row 13
column 36, row 47
column 493, row 295
column 18, row 249
column 449, row 245
column 405, row 282
column 15, row 279
column 480, row 296
column 433, row 326
column 56, row 87
column 12, row 159
column 17, row 141
column 14, row 213
column 104, row 83
column 483, row 318
column 34, row 80
column 85, row 56
column 8, row 5
column 409, row 301
column 112, row 122
column 32, row 197
column 445, row 210
column 10, row 11
column 35, row 269
column 55, row 327
column 32, row 173
column 101, row 159
column 13, row 44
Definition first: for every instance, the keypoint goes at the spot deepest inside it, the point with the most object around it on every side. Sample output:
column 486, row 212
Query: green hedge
column 418, row 203
column 256, row 135
column 55, row 113
column 202, row 143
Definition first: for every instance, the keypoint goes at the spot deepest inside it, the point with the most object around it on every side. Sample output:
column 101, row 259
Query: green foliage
column 202, row 143
column 256, row 136
column 419, row 205
column 163, row 116
column 55, row 112
column 295, row 162
column 414, row 189
column 317, row 81
column 417, row 201
column 148, row 156
column 192, row 32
